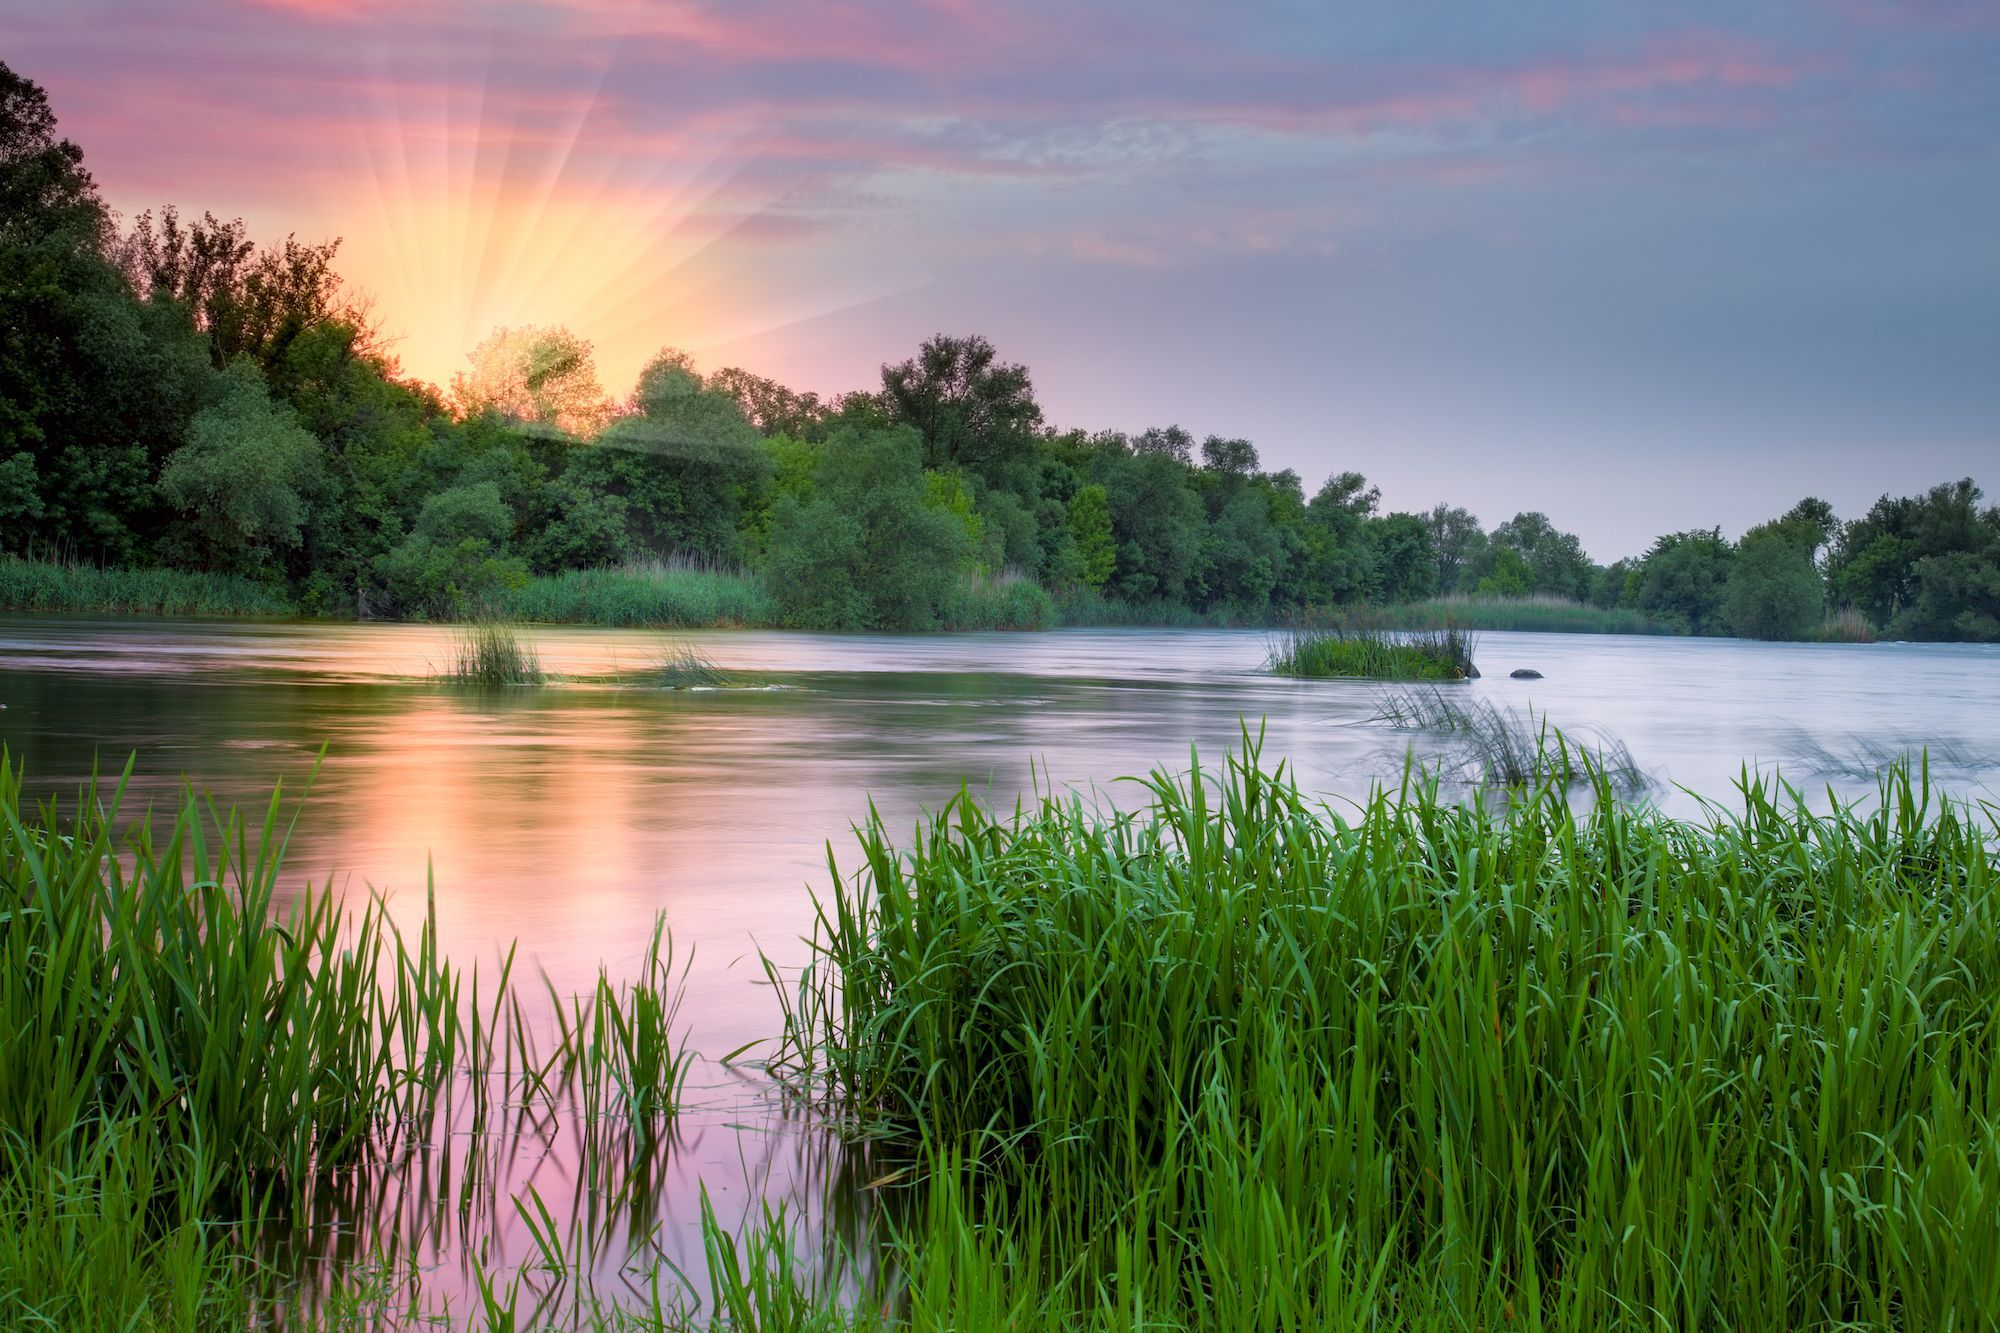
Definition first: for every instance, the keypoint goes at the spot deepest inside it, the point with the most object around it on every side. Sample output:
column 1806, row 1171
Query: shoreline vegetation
column 1427, row 1062
column 203, row 424
column 670, row 595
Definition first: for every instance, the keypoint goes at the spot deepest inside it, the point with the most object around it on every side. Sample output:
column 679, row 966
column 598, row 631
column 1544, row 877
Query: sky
column 1642, row 267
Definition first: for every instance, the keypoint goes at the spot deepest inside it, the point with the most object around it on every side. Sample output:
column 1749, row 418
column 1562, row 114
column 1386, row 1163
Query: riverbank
column 1423, row 1064
column 665, row 596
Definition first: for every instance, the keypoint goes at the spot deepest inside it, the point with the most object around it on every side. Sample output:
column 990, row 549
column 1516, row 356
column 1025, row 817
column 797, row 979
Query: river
column 566, row 816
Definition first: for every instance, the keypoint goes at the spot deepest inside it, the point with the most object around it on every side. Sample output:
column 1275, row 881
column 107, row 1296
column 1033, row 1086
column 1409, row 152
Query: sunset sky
column 1645, row 267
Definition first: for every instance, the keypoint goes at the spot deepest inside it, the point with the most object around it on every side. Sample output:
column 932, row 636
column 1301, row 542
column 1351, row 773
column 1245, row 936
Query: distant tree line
column 174, row 394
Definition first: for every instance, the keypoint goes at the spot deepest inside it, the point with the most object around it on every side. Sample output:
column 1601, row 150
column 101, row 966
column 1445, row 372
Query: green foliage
column 969, row 408
column 246, row 475
column 1089, row 519
column 1773, row 591
column 1550, row 562
column 457, row 555
column 1681, row 581
column 867, row 551
column 1924, row 567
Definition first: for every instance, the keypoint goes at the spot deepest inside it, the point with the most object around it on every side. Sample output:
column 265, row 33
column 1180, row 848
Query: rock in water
column 1525, row 673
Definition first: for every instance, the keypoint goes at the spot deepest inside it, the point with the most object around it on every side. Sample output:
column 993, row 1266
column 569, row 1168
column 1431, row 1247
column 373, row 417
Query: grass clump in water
column 491, row 653
column 1366, row 653
column 683, row 666
column 1235, row 1060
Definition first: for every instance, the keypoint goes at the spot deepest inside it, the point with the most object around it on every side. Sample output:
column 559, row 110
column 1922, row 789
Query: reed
column 76, row 589
column 1487, row 745
column 683, row 666
column 660, row 594
column 1235, row 1060
column 1317, row 652
column 489, row 653
column 1536, row 613
column 186, row 1066
column 1846, row 625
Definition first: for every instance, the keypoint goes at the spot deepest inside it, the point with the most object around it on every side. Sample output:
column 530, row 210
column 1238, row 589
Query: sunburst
column 473, row 205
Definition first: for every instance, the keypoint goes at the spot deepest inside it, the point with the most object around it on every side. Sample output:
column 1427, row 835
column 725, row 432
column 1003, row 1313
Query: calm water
column 567, row 816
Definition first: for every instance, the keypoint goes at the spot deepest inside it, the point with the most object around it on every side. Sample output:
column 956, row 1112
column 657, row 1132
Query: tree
column 95, row 389
column 1772, row 590
column 1164, row 442
column 1556, row 564
column 1089, row 519
column 1681, row 580
column 969, row 408
column 535, row 377
column 681, row 464
column 1157, row 519
column 245, row 475
column 1879, row 561
column 771, row 407
column 247, row 302
column 44, row 188
column 1457, row 542
column 866, row 552
column 1232, row 459
column 458, row 553
column 1405, row 562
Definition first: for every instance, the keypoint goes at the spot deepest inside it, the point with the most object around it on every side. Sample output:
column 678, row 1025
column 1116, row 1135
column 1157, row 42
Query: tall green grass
column 488, row 653
column 1009, row 601
column 1534, row 614
column 1319, row 652
column 658, row 595
column 1232, row 1060
column 188, row 1064
column 41, row 585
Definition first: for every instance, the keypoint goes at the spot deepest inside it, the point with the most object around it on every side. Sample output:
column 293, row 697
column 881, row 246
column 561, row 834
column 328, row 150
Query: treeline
column 173, row 395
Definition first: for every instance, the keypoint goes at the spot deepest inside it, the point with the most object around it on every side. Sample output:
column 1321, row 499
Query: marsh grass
column 1846, row 626
column 490, row 653
column 683, row 666
column 1368, row 653
column 1487, row 744
column 77, row 589
column 1223, row 1059
column 188, row 1067
column 683, row 594
column 1235, row 1060
column 1537, row 613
